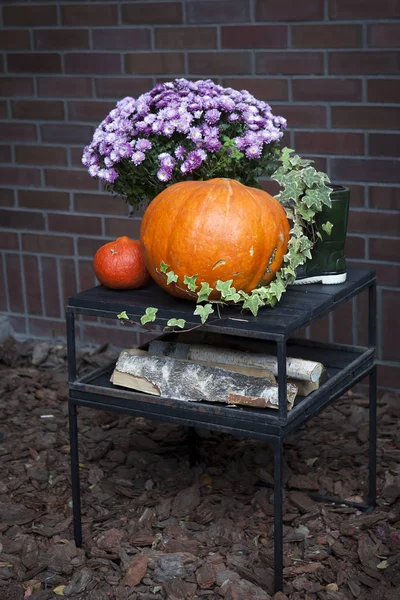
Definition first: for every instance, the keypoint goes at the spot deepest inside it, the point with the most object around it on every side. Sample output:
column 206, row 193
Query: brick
column 374, row 221
column 91, row 15
column 5, row 153
column 213, row 63
column 357, row 195
column 46, row 328
column 70, row 179
column 88, row 110
column 101, row 204
column 355, row 246
column 76, row 156
column 329, row 142
column 362, row 318
column 384, row 197
column 383, row 36
column 96, row 334
column 182, row 38
column 121, row 39
column 364, row 9
column 74, row 224
column 254, row 36
column 18, row 219
column 41, row 155
column 327, row 36
column 88, row 63
column 64, row 86
column 320, row 163
column 14, row 283
column 359, row 169
column 3, row 291
column 6, row 198
column 342, row 324
column 29, row 16
column 86, row 275
column 37, row 109
column 261, row 88
column 9, row 240
column 326, row 89
column 16, row 86
column 43, row 199
column 15, row 39
column 61, row 39
column 51, row 298
column 154, row 62
column 302, row 115
column 47, row 244
column 386, row 273
column 3, row 109
column 17, row 131
column 68, row 134
column 18, row 325
column 383, row 90
column 32, row 285
column 319, row 330
column 286, row 10
column 366, row 62
column 289, row 63
column 24, row 176
column 34, row 63
column 384, row 144
column 218, row 11
column 119, row 87
column 366, row 117
column 89, row 246
column 391, row 325
column 152, row 13
column 384, row 249
column 68, row 279
column 119, row 227
column 388, row 376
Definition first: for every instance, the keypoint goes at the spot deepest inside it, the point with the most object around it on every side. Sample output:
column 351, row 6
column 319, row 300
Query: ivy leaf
column 311, row 176
column 253, row 303
column 204, row 311
column 327, row 227
column 312, row 199
column 176, row 323
column 190, row 282
column 123, row 315
column 149, row 315
column 278, row 288
column 306, row 213
column 285, row 157
column 325, row 194
column 163, row 267
column 225, row 288
column 171, row 277
column 204, row 293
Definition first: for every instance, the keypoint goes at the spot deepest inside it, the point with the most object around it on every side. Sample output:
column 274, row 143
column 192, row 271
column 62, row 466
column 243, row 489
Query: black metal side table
column 273, row 330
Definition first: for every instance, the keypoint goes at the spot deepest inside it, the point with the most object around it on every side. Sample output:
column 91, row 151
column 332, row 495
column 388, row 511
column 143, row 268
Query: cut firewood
column 296, row 368
column 305, row 388
column 192, row 382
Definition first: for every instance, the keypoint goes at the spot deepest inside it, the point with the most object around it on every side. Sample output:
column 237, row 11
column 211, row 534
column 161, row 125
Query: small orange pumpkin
column 119, row 265
column 215, row 229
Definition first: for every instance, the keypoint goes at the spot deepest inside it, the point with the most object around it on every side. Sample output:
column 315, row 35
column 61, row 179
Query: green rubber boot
column 328, row 264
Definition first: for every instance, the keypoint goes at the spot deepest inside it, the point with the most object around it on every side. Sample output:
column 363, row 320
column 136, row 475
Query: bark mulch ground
column 154, row 528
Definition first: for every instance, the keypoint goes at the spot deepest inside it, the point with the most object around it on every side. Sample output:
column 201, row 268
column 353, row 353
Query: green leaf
column 171, row 277
column 204, row 311
column 285, row 157
column 176, row 323
column 310, row 176
column 204, row 293
column 163, row 267
column 253, row 303
column 190, row 282
column 312, row 199
column 149, row 315
column 225, row 288
column 327, row 227
column 278, row 288
column 123, row 315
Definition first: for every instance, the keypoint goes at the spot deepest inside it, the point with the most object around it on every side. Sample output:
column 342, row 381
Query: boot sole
column 325, row 279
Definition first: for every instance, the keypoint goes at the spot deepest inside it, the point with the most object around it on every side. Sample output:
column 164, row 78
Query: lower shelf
column 345, row 365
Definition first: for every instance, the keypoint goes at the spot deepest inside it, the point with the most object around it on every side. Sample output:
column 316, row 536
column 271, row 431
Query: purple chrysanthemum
column 138, row 157
column 164, row 174
column 143, row 144
column 180, row 152
column 253, row 151
column 212, row 116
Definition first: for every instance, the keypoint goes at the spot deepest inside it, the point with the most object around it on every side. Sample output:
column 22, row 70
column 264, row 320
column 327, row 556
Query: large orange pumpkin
column 216, row 229
column 119, row 265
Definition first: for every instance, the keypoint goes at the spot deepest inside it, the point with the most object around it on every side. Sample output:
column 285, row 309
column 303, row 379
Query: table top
column 299, row 306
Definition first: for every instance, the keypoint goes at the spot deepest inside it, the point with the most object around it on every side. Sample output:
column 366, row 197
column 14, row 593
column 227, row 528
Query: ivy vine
column 304, row 193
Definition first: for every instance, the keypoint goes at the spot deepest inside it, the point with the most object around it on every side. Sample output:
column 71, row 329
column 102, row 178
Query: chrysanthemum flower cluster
column 183, row 130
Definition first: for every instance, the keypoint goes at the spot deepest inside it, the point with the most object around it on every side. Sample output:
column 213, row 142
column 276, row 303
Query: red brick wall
column 331, row 67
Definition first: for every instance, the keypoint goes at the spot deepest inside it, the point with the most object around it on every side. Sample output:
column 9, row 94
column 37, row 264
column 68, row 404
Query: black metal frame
column 94, row 391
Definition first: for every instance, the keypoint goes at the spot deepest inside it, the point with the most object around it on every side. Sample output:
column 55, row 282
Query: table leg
column 278, row 513
column 372, row 440
column 76, row 491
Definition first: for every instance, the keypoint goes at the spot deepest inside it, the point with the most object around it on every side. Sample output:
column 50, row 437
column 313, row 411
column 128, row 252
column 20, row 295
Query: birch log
column 296, row 368
column 191, row 382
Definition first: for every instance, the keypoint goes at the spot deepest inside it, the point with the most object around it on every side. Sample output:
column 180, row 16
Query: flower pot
column 328, row 264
